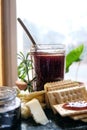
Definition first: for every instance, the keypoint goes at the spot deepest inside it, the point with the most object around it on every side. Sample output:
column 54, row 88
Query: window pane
column 53, row 21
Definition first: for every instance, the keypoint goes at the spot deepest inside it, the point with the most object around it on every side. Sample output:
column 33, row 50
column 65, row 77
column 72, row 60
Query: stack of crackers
column 66, row 91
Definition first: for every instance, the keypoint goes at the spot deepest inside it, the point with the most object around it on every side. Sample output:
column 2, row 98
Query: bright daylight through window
column 55, row 21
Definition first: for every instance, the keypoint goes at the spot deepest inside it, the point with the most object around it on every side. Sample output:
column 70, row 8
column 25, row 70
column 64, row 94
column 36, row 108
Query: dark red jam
column 80, row 105
column 48, row 67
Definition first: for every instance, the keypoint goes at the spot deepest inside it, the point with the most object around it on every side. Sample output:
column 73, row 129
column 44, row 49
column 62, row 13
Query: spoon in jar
column 27, row 31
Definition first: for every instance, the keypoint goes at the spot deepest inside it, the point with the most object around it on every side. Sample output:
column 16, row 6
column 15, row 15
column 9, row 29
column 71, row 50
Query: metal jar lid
column 7, row 94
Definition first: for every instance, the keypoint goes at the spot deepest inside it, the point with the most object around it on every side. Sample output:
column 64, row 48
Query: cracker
column 65, row 112
column 65, row 95
column 70, row 94
column 47, row 100
column 84, row 119
column 79, row 116
column 60, row 85
column 52, row 100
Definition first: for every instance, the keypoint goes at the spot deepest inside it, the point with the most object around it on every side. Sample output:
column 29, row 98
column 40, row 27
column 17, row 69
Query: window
column 55, row 21
column 48, row 21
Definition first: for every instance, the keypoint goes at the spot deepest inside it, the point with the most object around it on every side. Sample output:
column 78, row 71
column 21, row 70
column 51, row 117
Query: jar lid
column 7, row 94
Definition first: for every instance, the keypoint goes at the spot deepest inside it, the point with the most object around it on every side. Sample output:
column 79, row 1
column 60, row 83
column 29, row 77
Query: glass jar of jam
column 48, row 63
column 10, row 110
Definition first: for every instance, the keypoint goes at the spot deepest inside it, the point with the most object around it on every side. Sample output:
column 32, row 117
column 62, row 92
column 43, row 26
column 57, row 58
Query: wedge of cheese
column 37, row 112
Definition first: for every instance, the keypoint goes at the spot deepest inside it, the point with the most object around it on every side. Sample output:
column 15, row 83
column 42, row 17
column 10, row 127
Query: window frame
column 9, row 42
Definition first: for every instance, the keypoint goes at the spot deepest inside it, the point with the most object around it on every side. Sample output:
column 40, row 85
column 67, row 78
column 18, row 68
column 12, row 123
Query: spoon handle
column 27, row 31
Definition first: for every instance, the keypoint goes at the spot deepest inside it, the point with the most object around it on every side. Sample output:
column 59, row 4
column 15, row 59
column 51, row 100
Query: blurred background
column 55, row 21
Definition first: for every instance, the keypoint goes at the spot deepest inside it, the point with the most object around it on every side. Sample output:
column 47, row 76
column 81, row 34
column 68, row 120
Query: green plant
column 74, row 56
column 24, row 68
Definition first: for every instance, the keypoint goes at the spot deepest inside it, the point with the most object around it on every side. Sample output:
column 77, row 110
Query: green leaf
column 21, row 56
column 24, row 68
column 73, row 56
column 27, row 55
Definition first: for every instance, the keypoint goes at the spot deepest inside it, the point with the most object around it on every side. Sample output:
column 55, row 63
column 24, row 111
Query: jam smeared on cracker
column 79, row 105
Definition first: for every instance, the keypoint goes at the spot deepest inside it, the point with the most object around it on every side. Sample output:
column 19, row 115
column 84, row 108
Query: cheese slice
column 37, row 112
